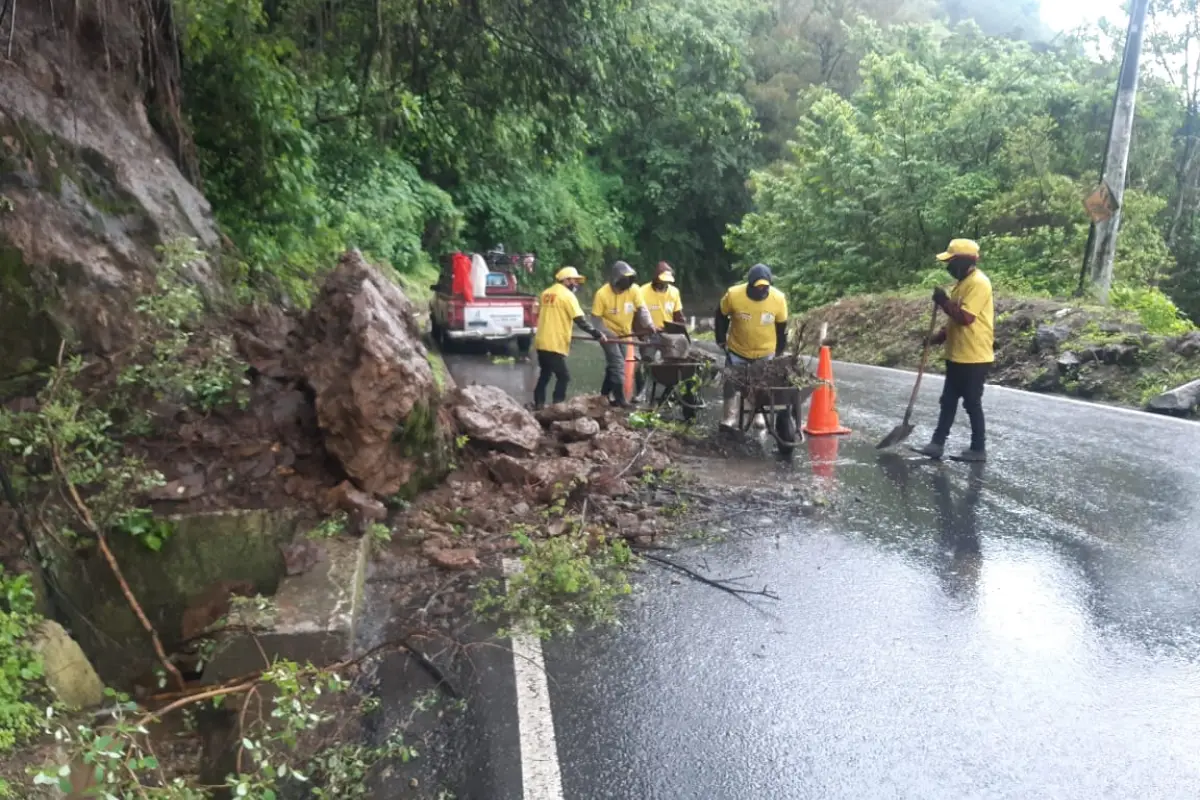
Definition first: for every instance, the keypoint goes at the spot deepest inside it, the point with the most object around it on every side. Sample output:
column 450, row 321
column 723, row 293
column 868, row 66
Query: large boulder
column 1180, row 401
column 593, row 406
column 577, row 430
column 1187, row 345
column 89, row 187
column 1125, row 355
column 68, row 672
column 492, row 418
column 1048, row 338
column 377, row 395
column 545, row 477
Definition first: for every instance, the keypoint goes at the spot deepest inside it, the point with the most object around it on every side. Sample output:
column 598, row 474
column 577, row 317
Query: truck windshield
column 497, row 280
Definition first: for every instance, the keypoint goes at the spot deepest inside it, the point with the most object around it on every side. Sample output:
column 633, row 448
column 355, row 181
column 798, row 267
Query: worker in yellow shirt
column 619, row 309
column 665, row 306
column 558, row 311
column 751, row 325
column 662, row 298
column 969, row 338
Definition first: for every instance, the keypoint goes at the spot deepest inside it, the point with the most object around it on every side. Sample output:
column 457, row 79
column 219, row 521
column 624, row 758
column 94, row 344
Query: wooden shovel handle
column 912, row 401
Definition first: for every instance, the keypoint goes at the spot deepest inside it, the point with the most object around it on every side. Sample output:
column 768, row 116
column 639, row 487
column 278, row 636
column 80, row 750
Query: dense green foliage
column 858, row 134
column 20, row 666
column 576, row 130
column 949, row 133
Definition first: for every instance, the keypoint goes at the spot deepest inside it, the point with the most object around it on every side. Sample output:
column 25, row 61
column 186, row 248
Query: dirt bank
column 1049, row 346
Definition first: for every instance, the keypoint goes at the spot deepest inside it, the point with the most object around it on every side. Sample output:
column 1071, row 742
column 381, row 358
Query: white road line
column 541, row 778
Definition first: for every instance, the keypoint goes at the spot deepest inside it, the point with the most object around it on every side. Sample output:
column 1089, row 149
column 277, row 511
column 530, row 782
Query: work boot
column 729, row 417
column 973, row 456
column 932, row 450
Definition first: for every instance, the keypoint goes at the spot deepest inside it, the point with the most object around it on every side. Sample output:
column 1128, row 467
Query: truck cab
column 504, row 318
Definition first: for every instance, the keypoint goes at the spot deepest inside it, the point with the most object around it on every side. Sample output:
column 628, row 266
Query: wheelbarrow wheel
column 785, row 430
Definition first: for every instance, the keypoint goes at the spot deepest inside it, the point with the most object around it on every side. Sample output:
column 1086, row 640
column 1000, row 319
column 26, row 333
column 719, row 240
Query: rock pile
column 344, row 396
column 583, row 448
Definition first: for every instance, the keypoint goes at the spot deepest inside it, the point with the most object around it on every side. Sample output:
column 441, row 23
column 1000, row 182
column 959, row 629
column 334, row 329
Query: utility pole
column 1102, row 240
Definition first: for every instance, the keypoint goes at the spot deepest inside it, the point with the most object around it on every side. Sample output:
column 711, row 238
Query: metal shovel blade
column 898, row 435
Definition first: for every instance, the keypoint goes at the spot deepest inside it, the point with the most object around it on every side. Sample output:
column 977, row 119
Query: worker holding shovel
column 969, row 339
column 558, row 310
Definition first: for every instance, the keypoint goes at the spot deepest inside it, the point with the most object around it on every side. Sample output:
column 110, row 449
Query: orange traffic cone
column 630, row 371
column 822, row 415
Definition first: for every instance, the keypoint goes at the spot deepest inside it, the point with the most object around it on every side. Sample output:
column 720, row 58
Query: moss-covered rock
column 377, row 392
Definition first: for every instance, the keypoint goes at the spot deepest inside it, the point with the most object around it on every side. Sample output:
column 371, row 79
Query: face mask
column 658, row 286
column 758, row 292
column 574, row 287
column 622, row 284
column 958, row 268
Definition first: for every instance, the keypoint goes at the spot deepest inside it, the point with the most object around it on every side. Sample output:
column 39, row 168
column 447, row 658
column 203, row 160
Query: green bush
column 20, row 666
column 1154, row 309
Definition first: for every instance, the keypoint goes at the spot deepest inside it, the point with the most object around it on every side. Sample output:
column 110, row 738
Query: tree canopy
column 840, row 141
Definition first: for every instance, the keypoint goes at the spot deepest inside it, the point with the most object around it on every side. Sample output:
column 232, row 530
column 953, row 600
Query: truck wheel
column 524, row 344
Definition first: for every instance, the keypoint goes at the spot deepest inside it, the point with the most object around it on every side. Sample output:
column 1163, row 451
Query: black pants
column 553, row 365
column 963, row 382
column 614, row 373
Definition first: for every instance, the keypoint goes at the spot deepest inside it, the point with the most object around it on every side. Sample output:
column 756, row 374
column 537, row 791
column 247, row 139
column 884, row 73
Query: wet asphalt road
column 1028, row 629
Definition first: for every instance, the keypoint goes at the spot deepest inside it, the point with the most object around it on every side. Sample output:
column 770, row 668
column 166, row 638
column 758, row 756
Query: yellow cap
column 665, row 276
column 762, row 282
column 959, row 247
column 567, row 273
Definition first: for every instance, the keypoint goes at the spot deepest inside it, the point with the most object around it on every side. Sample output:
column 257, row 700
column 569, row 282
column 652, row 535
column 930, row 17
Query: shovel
column 905, row 428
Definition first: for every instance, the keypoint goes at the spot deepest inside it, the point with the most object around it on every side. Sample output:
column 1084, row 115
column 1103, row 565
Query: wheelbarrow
column 680, row 382
column 762, row 389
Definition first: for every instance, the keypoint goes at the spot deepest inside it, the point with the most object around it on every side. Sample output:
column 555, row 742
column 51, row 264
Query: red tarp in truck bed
column 461, row 284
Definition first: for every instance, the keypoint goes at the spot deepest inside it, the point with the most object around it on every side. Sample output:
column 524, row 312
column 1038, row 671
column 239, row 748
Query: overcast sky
column 1067, row 14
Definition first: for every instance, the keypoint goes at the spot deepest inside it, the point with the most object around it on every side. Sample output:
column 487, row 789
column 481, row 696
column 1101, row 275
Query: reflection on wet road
column 1025, row 629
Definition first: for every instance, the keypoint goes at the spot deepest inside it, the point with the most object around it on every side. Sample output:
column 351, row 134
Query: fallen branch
column 641, row 452
column 443, row 681
column 740, row 594
column 198, row 697
column 243, row 683
column 85, row 515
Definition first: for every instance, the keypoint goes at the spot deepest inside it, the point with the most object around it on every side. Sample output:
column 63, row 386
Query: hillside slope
column 1091, row 353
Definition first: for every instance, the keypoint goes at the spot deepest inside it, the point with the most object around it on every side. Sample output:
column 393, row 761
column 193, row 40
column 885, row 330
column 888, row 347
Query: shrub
column 1156, row 311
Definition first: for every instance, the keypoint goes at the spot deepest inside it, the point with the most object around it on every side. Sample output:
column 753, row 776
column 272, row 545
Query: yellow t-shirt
column 558, row 308
column 616, row 311
column 972, row 344
column 662, row 305
column 752, row 322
